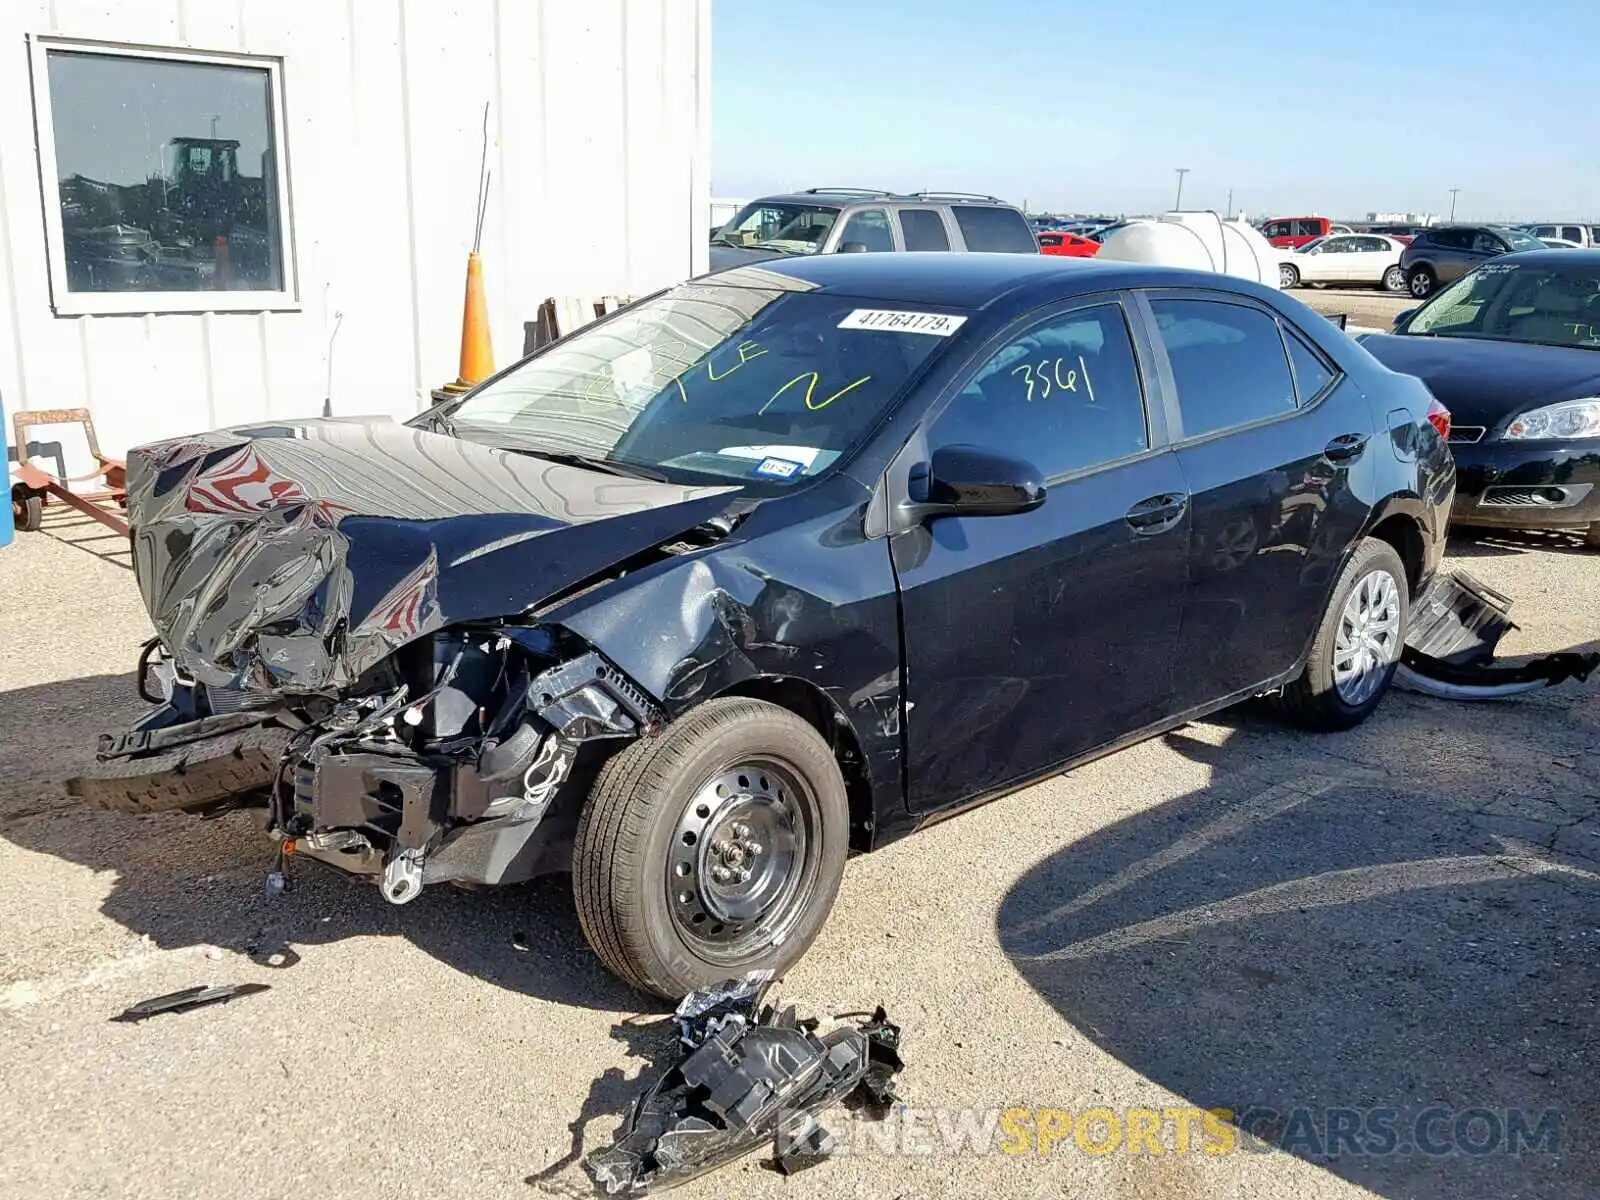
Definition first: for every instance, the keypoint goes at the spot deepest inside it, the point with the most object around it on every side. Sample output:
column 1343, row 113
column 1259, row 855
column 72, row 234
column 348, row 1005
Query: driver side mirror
column 852, row 248
column 1402, row 318
column 969, row 481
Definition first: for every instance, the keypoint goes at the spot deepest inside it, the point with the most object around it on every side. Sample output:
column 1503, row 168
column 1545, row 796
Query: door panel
column 1037, row 637
column 1272, row 511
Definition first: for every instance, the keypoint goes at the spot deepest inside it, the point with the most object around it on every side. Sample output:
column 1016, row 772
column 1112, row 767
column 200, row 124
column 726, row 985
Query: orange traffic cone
column 477, row 354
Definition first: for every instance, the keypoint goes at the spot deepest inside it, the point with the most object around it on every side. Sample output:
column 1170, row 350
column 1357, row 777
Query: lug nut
column 719, row 847
column 743, row 875
column 741, row 831
column 721, row 874
column 752, row 848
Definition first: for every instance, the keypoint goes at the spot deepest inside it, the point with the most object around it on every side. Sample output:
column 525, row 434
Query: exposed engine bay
column 450, row 761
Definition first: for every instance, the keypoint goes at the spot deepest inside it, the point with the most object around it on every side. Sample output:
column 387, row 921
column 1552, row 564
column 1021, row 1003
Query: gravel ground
column 1363, row 306
column 1404, row 917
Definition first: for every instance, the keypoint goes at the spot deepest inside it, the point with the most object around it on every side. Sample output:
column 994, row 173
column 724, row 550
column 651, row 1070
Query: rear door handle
column 1157, row 514
column 1345, row 447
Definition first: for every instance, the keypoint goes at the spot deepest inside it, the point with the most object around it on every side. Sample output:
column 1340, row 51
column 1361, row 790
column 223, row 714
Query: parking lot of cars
column 671, row 673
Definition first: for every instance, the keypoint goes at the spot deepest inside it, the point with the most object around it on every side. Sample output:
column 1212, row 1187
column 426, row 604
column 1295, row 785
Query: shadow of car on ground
column 1310, row 940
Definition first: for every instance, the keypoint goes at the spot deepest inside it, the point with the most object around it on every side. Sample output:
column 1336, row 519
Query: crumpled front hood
column 1483, row 382
column 294, row 556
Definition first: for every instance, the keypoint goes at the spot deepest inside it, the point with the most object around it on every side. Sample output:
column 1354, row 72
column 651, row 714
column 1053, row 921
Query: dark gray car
column 842, row 220
column 1445, row 253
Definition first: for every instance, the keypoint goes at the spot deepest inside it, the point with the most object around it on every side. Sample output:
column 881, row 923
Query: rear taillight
column 1439, row 418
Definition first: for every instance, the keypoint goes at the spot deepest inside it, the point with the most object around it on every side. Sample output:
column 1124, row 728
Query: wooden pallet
column 561, row 315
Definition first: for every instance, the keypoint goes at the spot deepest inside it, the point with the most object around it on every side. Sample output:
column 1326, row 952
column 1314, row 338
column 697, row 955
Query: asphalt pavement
column 1329, row 936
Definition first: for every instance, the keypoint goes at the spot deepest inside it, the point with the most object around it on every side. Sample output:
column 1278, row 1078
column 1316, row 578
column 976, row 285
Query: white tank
column 1200, row 241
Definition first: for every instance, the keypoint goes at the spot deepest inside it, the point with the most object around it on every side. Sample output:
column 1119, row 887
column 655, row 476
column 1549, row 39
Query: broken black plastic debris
column 1454, row 630
column 750, row 1076
column 195, row 997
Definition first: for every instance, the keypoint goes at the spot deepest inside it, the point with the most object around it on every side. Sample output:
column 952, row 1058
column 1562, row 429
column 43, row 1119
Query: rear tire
column 713, row 849
column 1420, row 282
column 1591, row 538
column 1394, row 280
column 1334, row 693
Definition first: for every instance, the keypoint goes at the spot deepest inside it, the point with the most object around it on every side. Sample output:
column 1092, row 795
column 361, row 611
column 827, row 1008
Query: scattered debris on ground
column 749, row 1075
column 195, row 997
column 1449, row 652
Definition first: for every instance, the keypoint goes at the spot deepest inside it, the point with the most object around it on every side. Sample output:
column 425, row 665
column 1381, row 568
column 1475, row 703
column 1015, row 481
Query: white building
column 237, row 208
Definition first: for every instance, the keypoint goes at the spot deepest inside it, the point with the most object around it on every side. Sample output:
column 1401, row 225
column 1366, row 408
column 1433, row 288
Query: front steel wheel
column 745, row 862
column 1288, row 276
column 712, row 849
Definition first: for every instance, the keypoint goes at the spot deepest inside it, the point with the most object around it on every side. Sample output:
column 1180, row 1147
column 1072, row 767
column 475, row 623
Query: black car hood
column 294, row 556
column 1483, row 382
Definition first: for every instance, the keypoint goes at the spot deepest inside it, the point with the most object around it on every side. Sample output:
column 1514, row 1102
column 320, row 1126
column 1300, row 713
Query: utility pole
column 1453, row 192
column 1230, row 204
column 1178, row 203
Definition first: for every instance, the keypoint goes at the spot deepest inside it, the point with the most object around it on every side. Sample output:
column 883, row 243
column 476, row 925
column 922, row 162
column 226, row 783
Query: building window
column 165, row 187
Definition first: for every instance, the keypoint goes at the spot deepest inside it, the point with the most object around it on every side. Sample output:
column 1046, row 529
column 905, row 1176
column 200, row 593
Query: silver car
column 1444, row 253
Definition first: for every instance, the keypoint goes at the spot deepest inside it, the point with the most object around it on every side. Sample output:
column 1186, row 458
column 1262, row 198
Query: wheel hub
column 739, row 858
column 1368, row 639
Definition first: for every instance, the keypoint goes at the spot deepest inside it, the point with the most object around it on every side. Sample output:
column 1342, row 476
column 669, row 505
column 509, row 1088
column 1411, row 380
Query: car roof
column 842, row 197
column 1580, row 257
column 974, row 280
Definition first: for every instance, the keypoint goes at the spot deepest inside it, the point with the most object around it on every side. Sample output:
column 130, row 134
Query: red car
column 1290, row 233
column 1059, row 242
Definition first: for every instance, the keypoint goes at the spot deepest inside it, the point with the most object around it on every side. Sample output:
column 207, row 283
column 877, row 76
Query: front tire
column 713, row 849
column 27, row 510
column 1358, row 643
column 1288, row 276
column 1420, row 282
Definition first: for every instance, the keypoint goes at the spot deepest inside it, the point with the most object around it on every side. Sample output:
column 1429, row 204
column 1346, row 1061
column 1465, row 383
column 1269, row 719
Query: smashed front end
column 348, row 634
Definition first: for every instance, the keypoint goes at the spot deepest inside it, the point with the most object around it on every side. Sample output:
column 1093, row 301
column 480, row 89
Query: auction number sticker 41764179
column 891, row 321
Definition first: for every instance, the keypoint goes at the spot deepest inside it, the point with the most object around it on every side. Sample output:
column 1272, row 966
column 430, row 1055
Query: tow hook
column 402, row 877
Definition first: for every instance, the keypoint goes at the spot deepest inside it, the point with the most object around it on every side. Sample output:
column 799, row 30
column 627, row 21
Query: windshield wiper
column 609, row 465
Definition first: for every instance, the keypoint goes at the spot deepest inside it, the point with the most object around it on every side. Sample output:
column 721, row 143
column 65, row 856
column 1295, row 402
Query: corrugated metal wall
column 600, row 127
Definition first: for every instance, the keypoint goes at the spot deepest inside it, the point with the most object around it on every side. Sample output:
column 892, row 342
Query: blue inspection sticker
column 778, row 468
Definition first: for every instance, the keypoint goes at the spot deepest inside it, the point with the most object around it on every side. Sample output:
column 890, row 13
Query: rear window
column 995, row 229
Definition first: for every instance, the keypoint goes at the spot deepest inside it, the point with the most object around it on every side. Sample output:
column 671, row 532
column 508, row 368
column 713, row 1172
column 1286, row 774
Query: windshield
column 788, row 228
column 1545, row 305
column 769, row 383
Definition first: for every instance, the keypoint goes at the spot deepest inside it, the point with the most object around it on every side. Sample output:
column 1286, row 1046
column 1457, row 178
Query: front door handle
column 1157, row 514
column 1345, row 448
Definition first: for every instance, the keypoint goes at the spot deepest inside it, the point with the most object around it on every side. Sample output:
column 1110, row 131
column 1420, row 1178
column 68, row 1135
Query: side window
column 1310, row 227
column 1227, row 361
column 1372, row 245
column 1276, row 229
column 1339, row 245
column 1572, row 233
column 869, row 228
column 1311, row 371
column 1487, row 243
column 1064, row 395
column 923, row 229
column 995, row 229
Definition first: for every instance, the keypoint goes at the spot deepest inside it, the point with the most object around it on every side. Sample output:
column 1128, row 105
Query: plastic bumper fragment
column 1450, row 648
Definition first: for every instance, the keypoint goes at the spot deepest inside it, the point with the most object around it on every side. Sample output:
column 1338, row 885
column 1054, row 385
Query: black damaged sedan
column 1513, row 351
column 780, row 564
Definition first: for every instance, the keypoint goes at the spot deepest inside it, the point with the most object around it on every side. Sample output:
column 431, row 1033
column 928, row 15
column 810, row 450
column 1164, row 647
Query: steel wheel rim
column 744, row 860
column 1368, row 641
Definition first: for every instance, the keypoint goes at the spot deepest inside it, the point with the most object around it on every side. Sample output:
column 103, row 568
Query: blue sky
column 1340, row 109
